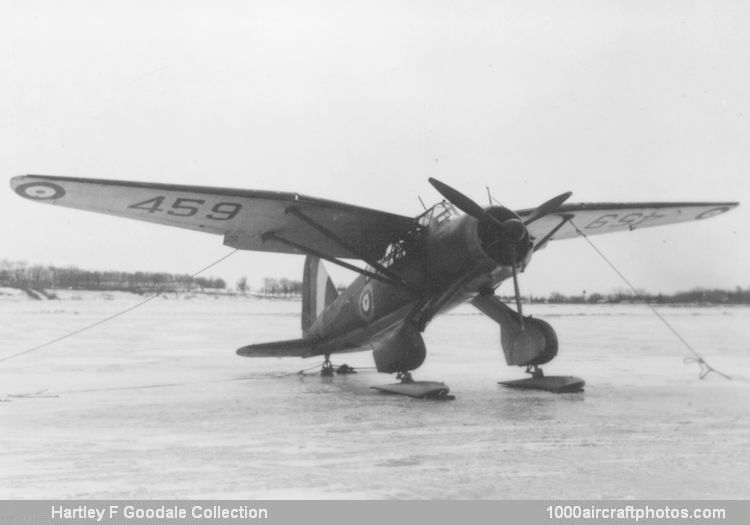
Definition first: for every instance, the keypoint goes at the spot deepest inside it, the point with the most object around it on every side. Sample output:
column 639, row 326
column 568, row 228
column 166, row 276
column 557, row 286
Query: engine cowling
column 507, row 245
column 466, row 242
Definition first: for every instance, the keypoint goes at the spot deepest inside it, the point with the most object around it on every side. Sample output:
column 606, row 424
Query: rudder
column 318, row 291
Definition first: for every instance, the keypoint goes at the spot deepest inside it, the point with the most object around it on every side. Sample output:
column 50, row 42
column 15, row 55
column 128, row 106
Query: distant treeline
column 696, row 295
column 18, row 274
column 283, row 286
column 38, row 277
column 280, row 286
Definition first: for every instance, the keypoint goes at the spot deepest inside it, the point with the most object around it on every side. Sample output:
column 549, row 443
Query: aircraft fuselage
column 447, row 263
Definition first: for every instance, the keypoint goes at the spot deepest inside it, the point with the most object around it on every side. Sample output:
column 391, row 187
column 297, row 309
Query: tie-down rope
column 695, row 358
column 113, row 316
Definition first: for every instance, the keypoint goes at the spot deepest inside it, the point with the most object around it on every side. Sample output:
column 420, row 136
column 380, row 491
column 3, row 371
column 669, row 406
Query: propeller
column 547, row 207
column 517, row 290
column 512, row 228
column 462, row 202
column 468, row 206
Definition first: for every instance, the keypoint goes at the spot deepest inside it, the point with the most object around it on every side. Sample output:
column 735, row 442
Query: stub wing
column 243, row 217
column 598, row 218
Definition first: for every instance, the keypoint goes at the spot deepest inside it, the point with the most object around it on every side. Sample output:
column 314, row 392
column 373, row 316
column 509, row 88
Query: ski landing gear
column 328, row 368
column 538, row 381
column 418, row 389
column 528, row 342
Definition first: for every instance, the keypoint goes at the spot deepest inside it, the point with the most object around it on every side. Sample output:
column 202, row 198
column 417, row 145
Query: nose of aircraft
column 514, row 229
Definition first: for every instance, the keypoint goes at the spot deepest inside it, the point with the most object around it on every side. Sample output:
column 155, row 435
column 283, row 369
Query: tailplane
column 291, row 348
column 318, row 292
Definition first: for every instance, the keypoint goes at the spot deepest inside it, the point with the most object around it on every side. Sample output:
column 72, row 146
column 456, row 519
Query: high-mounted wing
column 249, row 220
column 597, row 218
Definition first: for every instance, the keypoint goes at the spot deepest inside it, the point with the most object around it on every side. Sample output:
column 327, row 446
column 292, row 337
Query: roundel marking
column 712, row 213
column 40, row 191
column 366, row 304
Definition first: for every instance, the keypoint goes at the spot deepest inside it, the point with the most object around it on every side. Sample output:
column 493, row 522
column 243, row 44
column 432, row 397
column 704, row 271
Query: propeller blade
column 460, row 201
column 512, row 227
column 517, row 289
column 547, row 207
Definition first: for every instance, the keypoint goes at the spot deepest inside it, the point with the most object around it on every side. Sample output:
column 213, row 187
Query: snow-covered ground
column 156, row 404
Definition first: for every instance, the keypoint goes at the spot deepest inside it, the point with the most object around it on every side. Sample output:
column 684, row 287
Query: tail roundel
column 318, row 291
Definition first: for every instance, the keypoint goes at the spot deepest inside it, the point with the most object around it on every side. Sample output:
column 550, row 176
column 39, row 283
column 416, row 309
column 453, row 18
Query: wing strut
column 341, row 242
column 545, row 240
column 321, row 255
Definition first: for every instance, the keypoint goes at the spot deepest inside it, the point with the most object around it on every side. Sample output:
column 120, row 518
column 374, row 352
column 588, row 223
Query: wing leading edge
column 598, row 218
column 244, row 217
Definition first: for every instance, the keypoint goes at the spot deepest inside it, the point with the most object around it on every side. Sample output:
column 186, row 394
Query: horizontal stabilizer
column 291, row 348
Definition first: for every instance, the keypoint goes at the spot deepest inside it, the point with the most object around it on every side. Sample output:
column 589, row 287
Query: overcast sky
column 363, row 101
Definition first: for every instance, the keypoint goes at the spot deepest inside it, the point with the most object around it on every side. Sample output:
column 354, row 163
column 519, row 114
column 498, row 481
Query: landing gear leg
column 327, row 369
column 535, row 371
column 404, row 377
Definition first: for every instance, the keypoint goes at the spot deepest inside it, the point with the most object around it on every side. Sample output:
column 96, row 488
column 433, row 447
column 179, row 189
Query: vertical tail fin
column 318, row 292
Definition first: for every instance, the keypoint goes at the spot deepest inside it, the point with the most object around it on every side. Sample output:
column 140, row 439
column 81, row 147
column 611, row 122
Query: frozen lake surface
column 157, row 405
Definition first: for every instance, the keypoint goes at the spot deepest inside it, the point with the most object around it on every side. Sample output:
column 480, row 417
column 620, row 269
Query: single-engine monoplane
column 413, row 268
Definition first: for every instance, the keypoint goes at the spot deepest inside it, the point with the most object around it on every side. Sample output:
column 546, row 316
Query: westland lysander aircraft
column 415, row 268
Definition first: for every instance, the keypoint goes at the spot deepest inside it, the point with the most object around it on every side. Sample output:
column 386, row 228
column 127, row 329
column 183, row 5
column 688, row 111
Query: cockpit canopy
column 440, row 212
